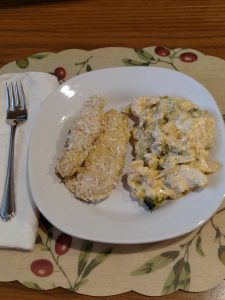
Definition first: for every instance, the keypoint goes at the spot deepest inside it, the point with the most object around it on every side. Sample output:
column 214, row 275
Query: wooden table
column 27, row 27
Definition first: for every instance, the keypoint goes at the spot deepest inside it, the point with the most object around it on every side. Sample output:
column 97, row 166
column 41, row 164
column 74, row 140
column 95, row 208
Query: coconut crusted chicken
column 102, row 168
column 95, row 151
column 86, row 127
column 171, row 143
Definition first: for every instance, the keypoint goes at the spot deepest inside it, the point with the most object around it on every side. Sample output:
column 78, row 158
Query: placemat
column 195, row 262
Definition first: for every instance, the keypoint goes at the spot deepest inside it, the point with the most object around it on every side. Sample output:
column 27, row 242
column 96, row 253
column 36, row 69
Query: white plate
column 118, row 219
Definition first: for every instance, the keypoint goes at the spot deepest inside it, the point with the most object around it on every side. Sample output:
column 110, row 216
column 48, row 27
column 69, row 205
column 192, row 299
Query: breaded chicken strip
column 86, row 127
column 103, row 166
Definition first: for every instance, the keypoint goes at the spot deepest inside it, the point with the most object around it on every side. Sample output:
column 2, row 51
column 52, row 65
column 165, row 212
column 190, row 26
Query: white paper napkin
column 20, row 231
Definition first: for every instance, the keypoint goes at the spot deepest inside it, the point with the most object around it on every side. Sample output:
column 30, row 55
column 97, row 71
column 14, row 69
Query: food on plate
column 86, row 127
column 102, row 167
column 95, row 151
column 172, row 143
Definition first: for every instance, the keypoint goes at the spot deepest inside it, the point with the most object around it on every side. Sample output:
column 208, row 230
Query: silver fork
column 16, row 115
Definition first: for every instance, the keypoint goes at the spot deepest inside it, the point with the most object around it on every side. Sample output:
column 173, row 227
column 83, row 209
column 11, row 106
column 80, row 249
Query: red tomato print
column 60, row 73
column 162, row 51
column 42, row 267
column 188, row 57
column 63, row 244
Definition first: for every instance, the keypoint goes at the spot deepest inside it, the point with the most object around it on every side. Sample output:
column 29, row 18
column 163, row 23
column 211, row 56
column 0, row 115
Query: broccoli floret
column 153, row 202
column 149, row 202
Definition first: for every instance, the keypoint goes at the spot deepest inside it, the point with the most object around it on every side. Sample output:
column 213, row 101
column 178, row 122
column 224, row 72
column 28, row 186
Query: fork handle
column 8, row 207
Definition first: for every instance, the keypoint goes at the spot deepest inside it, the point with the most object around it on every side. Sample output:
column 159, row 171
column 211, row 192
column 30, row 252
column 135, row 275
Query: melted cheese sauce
column 171, row 142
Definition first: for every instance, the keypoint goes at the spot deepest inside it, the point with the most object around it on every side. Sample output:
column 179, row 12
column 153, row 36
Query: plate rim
column 48, row 99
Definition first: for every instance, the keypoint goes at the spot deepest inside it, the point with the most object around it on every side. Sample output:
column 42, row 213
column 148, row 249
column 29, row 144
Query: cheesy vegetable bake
column 172, row 141
column 95, row 150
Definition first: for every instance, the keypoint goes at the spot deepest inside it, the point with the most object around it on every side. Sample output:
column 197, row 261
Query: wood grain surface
column 28, row 27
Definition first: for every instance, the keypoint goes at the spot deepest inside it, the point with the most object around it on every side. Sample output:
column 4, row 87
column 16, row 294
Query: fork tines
column 15, row 97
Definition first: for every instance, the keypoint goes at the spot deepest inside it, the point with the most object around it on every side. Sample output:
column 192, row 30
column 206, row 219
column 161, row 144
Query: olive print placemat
column 104, row 269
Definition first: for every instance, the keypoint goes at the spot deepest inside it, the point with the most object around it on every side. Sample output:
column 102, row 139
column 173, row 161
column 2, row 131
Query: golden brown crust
column 102, row 167
column 85, row 129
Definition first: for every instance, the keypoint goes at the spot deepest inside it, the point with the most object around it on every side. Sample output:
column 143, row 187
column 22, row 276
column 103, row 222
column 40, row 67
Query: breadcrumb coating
column 103, row 165
column 87, row 126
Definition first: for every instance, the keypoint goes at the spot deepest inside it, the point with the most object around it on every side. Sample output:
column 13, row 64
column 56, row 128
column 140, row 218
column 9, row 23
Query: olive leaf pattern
column 221, row 254
column 176, row 261
column 23, row 63
column 199, row 246
column 96, row 261
column 84, row 66
column 179, row 276
column 162, row 55
column 60, row 247
column 156, row 263
column 83, row 257
column 32, row 285
column 39, row 55
column 85, row 267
